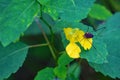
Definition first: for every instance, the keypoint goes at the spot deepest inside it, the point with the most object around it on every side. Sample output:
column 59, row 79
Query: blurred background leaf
column 115, row 5
column 99, row 12
column 11, row 58
column 74, row 71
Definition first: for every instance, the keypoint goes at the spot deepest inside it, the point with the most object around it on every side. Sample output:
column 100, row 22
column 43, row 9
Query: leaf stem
column 45, row 36
column 38, row 45
column 21, row 49
column 49, row 26
column 31, row 46
column 52, row 49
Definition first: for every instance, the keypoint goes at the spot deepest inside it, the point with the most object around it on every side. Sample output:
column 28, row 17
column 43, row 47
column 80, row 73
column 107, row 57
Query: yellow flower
column 71, row 34
column 77, row 35
column 86, row 43
column 73, row 50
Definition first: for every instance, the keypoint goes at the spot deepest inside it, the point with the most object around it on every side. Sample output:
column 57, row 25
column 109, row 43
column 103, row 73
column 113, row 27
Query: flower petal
column 73, row 50
column 67, row 33
column 80, row 35
column 73, row 35
column 86, row 43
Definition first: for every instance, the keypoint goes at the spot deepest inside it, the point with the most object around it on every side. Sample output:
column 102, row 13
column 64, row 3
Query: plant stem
column 38, row 45
column 49, row 45
column 49, row 26
column 52, row 34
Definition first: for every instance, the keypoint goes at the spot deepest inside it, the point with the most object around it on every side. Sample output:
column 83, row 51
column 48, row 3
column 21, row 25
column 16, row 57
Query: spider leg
column 95, row 48
column 101, row 31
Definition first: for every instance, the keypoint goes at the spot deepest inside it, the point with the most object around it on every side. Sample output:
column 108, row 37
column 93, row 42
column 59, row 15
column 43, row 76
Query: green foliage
column 43, row 2
column 11, row 58
column 53, row 16
column 45, row 74
column 64, row 59
column 111, row 37
column 74, row 71
column 97, row 54
column 60, row 72
column 99, row 12
column 15, row 18
column 115, row 5
column 68, row 10
column 71, row 72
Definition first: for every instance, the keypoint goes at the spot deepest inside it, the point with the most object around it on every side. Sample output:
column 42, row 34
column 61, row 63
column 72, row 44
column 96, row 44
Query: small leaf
column 45, row 74
column 64, row 59
column 15, row 18
column 111, row 36
column 68, row 10
column 60, row 72
column 100, row 12
column 11, row 58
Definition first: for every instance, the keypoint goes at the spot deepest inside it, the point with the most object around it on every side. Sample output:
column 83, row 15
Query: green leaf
column 60, row 72
column 45, row 74
column 100, row 12
column 97, row 54
column 64, row 59
column 68, row 10
column 15, row 17
column 74, row 70
column 60, row 25
column 11, row 58
column 111, row 36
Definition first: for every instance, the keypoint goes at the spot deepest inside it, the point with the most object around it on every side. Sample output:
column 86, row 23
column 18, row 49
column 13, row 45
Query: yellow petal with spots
column 73, row 35
column 67, row 33
column 80, row 35
column 86, row 43
column 73, row 50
